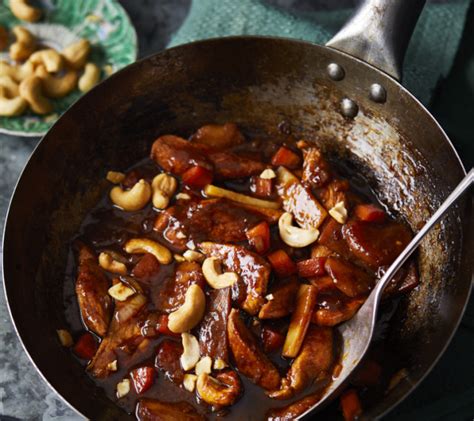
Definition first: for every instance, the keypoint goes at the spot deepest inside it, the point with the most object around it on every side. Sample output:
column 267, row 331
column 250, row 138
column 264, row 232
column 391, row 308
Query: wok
column 270, row 85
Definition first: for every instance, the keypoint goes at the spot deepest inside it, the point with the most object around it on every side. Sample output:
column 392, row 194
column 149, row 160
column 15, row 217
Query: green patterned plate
column 103, row 22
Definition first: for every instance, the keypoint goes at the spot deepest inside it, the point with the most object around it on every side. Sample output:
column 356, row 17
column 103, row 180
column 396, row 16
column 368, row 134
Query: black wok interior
column 258, row 83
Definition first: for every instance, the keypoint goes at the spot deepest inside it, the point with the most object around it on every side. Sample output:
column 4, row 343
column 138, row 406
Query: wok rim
column 306, row 44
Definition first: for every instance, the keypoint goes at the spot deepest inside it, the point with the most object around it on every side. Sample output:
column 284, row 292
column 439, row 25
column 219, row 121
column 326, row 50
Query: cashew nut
column 24, row 46
column 32, row 91
column 190, row 313
column 18, row 73
column 144, row 245
column 57, row 86
column 76, row 54
column 295, row 236
column 189, row 382
column 339, row 212
column 3, row 38
column 123, row 388
column 115, row 177
column 193, row 256
column 191, row 353
column 22, row 10
column 65, row 338
column 268, row 174
column 134, row 199
column 50, row 58
column 11, row 87
column 120, row 291
column 11, row 106
column 90, row 78
column 109, row 264
column 163, row 186
column 220, row 391
column 204, row 365
column 211, row 270
column 219, row 364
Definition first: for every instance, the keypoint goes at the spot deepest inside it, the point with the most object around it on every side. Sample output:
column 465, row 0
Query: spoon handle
column 461, row 188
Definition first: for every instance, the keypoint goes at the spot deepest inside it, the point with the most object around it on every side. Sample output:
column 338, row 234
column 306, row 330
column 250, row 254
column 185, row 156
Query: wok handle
column 379, row 32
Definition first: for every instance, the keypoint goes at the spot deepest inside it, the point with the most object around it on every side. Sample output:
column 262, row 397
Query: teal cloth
column 429, row 57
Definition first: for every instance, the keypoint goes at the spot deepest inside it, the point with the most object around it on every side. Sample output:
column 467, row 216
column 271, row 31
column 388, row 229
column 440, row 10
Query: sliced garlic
column 112, row 366
column 123, row 388
column 65, row 338
column 180, row 235
column 189, row 382
column 120, row 292
column 193, row 256
column 268, row 174
column 204, row 366
column 219, row 364
column 269, row 297
column 191, row 353
column 339, row 212
column 179, row 258
column 183, row 196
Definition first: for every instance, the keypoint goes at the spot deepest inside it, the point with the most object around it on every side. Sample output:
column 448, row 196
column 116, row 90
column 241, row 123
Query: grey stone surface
column 23, row 394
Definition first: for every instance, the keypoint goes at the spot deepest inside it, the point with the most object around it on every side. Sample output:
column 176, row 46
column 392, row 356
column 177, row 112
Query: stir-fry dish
column 212, row 277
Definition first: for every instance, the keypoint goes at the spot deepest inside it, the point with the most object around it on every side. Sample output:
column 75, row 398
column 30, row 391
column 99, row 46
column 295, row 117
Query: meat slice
column 376, row 244
column 350, row 279
column 154, row 410
column 282, row 301
column 295, row 409
column 299, row 201
column 334, row 192
column 176, row 155
column 92, row 285
column 213, row 327
column 208, row 220
column 253, row 271
column 249, row 358
column 218, row 137
column 333, row 307
column 167, row 358
column 123, row 337
column 316, row 170
column 313, row 363
column 169, row 295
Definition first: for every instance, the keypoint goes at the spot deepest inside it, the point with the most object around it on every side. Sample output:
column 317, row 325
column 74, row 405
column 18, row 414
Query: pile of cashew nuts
column 36, row 74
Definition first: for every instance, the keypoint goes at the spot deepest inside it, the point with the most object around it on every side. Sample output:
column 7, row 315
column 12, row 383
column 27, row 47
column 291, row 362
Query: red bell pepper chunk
column 350, row 405
column 142, row 378
column 311, row 267
column 263, row 187
column 282, row 263
column 272, row 339
column 163, row 328
column 197, row 177
column 259, row 237
column 369, row 213
column 286, row 157
column 86, row 346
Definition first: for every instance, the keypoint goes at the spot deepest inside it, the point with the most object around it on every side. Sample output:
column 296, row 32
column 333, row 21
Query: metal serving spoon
column 357, row 333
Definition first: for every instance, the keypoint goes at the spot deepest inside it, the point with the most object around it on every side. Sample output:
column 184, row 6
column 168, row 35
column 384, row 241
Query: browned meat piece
column 350, row 279
column 91, row 290
column 170, row 294
column 167, row 360
column 376, row 244
column 290, row 412
column 213, row 327
column 314, row 362
column 229, row 165
column 333, row 307
column 283, row 301
column 154, row 410
column 218, row 137
column 249, row 358
column 299, row 201
column 333, row 193
column 147, row 268
column 331, row 237
column 316, row 170
column 208, row 220
column 404, row 281
column 124, row 335
column 253, row 271
column 176, row 155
